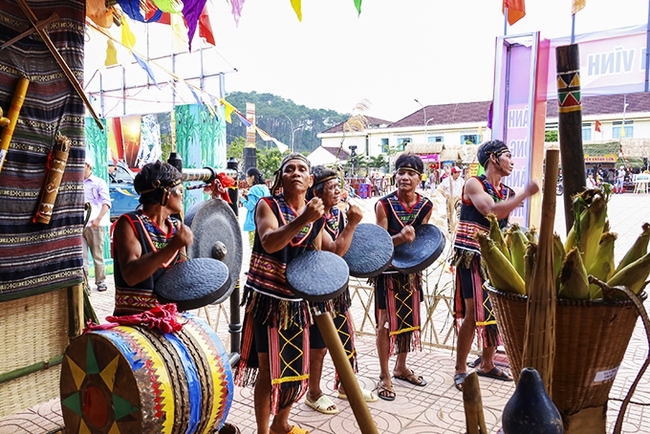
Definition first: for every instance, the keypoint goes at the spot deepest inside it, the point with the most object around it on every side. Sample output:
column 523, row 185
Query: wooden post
column 75, row 310
column 473, row 403
column 357, row 402
column 570, row 126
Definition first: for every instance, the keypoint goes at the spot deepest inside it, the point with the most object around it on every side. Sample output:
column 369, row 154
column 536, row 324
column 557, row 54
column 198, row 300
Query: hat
column 455, row 170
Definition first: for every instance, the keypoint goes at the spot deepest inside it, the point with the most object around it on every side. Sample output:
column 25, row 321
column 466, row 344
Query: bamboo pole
column 539, row 335
column 473, row 403
column 570, row 126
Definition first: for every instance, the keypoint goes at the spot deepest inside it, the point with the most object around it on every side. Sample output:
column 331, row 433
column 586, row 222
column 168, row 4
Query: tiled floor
column 435, row 408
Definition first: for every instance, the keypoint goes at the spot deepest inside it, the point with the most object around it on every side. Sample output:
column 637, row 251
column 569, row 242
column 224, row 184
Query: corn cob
column 559, row 254
column 603, row 266
column 633, row 276
column 638, row 249
column 529, row 264
column 502, row 274
column 497, row 236
column 532, row 235
column 573, row 277
column 517, row 242
column 591, row 227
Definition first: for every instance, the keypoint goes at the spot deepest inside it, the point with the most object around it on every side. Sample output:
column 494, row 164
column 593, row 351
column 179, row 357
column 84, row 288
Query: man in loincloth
column 398, row 295
column 340, row 228
column 482, row 195
column 148, row 241
column 275, row 343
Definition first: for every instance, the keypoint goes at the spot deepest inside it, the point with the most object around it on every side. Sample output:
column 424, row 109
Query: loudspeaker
column 250, row 158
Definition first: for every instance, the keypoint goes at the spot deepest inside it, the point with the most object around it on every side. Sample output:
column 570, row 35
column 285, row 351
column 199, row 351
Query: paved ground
column 436, row 408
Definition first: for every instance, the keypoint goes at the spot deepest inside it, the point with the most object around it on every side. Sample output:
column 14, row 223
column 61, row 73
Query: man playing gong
column 339, row 229
column 398, row 295
column 275, row 343
column 481, row 196
column 147, row 241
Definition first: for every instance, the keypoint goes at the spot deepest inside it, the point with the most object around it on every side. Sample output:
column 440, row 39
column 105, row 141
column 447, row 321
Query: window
column 437, row 138
column 469, row 139
column 402, row 142
column 586, row 131
column 618, row 125
column 384, row 145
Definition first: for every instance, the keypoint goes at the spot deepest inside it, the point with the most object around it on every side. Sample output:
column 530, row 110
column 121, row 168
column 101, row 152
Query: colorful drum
column 130, row 379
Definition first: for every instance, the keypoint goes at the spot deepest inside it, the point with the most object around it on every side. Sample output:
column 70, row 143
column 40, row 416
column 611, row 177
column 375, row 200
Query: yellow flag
column 179, row 32
column 577, row 6
column 111, row 54
column 297, row 7
column 128, row 38
column 229, row 110
column 622, row 130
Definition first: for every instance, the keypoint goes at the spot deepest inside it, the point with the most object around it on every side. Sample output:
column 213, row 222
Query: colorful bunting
column 196, row 97
column 297, row 7
column 577, row 6
column 243, row 119
column 144, row 65
column 192, row 10
column 267, row 138
column 598, row 126
column 179, row 34
column 237, row 6
column 229, row 110
column 128, row 38
column 111, row 54
column 205, row 28
column 357, row 4
column 516, row 10
column 155, row 15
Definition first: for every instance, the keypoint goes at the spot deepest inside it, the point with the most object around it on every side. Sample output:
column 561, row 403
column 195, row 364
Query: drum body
column 129, row 379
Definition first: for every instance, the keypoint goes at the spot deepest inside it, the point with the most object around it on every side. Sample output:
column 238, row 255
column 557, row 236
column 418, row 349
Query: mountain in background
column 271, row 113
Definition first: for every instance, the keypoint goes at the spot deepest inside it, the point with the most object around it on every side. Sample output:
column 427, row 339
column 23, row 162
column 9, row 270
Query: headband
column 277, row 182
column 409, row 168
column 324, row 180
column 158, row 186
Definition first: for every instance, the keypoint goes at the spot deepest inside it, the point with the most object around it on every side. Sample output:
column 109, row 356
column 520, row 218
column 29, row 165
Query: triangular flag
column 192, row 10
column 111, row 54
column 297, row 7
column 144, row 65
column 281, row 146
column 357, row 4
column 237, row 6
column 196, row 97
column 598, row 126
column 171, row 6
column 128, row 38
column 577, row 6
column 132, row 9
column 153, row 14
column 229, row 110
column 205, row 28
column 179, row 33
column 623, row 129
column 516, row 10
column 263, row 134
column 243, row 119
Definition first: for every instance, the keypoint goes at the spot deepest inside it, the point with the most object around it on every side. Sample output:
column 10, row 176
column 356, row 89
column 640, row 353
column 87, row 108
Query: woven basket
column 591, row 339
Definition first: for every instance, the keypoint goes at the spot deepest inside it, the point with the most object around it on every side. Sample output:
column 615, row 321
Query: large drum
column 130, row 379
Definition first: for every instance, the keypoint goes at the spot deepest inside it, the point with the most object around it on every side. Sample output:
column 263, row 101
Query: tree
column 236, row 149
column 379, row 162
column 550, row 136
column 268, row 161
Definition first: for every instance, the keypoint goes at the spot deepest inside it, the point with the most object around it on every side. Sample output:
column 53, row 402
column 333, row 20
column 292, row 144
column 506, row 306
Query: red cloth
column 163, row 318
column 516, row 10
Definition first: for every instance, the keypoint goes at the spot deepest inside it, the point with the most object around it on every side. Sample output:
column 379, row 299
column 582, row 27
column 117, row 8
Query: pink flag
column 237, row 6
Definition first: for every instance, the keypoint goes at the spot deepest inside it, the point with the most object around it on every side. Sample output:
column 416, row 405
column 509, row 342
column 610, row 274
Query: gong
column 370, row 252
column 420, row 253
column 194, row 283
column 317, row 275
column 216, row 235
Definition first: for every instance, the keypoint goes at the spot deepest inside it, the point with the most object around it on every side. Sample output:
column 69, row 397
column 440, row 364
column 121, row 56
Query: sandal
column 458, row 380
column 294, row 430
column 385, row 392
column 368, row 396
column 496, row 373
column 323, row 405
column 416, row 380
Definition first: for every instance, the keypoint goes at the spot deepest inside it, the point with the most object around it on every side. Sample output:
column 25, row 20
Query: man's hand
column 184, row 236
column 314, row 210
column 354, row 214
column 408, row 234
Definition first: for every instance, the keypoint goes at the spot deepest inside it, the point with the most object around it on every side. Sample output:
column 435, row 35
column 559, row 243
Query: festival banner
column 519, row 113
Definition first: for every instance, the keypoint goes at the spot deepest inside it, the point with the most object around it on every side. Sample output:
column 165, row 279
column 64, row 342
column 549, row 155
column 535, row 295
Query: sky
column 394, row 52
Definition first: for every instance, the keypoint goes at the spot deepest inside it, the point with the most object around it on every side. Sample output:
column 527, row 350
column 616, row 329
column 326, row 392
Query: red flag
column 516, row 10
column 598, row 125
column 205, row 28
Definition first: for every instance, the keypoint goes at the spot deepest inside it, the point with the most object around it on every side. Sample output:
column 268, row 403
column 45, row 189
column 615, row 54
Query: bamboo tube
column 473, row 403
column 12, row 115
column 539, row 335
column 359, row 407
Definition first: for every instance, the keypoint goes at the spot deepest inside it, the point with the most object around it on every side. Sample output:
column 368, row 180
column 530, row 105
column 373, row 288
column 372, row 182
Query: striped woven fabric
column 37, row 257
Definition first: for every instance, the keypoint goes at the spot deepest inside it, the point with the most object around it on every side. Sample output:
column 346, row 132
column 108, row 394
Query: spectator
column 97, row 195
column 620, row 179
column 249, row 198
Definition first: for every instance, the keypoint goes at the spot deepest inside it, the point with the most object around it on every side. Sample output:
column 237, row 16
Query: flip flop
column 496, row 373
column 458, row 380
column 475, row 363
column 412, row 378
column 322, row 405
column 294, row 430
column 368, row 396
column 388, row 392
